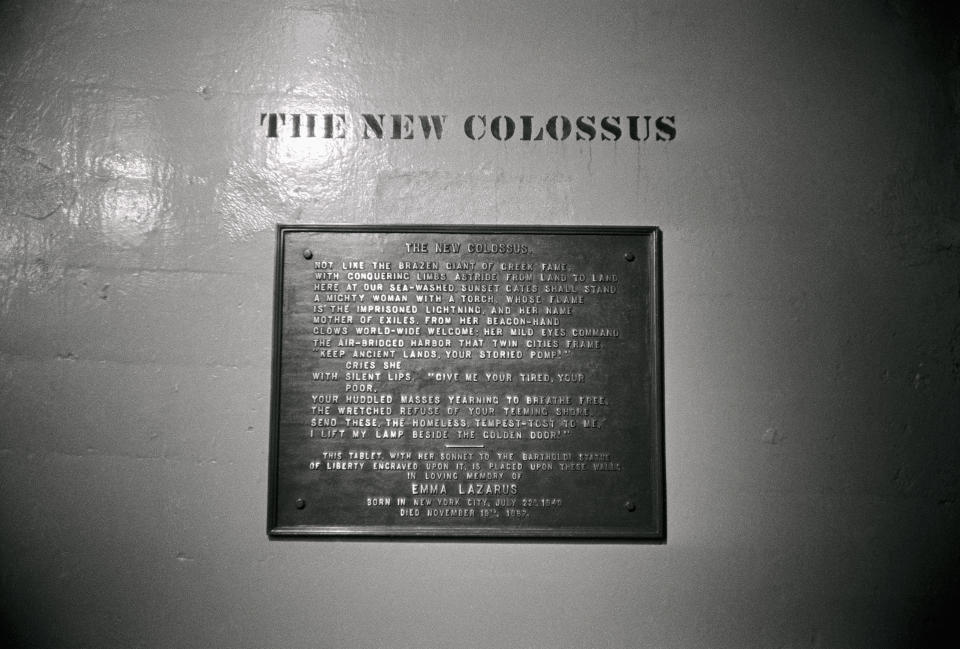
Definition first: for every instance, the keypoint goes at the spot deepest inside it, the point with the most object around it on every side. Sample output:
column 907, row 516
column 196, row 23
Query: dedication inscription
column 467, row 382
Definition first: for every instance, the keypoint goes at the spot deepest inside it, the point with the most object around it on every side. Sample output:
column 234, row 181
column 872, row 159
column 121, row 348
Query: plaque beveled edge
column 657, row 533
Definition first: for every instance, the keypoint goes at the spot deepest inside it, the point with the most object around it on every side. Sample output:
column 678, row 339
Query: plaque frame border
column 657, row 535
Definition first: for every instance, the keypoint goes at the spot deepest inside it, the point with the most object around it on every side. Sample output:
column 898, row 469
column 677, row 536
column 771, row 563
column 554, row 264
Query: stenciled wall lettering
column 476, row 127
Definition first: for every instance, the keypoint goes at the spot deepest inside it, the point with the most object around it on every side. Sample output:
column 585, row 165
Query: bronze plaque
column 468, row 382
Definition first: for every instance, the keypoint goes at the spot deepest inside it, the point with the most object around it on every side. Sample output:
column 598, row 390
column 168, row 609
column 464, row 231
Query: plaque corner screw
column 629, row 256
column 308, row 254
column 301, row 503
column 630, row 506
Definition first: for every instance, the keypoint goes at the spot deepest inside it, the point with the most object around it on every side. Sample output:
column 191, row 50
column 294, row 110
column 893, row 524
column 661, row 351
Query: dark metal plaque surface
column 468, row 382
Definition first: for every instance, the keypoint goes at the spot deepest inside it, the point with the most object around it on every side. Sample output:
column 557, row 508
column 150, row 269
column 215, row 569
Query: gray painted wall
column 809, row 206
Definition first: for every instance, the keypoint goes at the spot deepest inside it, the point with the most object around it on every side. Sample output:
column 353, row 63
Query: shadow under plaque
column 481, row 382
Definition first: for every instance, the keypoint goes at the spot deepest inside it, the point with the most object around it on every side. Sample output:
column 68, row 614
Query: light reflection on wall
column 131, row 206
column 285, row 179
column 130, row 196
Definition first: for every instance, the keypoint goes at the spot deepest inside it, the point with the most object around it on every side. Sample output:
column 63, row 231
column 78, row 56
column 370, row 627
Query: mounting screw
column 630, row 506
column 301, row 503
column 629, row 256
column 308, row 254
